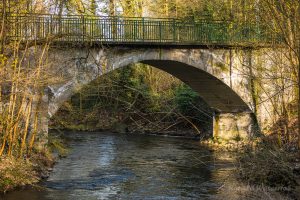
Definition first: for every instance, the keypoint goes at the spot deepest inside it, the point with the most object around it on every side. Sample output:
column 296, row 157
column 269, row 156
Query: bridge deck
column 137, row 31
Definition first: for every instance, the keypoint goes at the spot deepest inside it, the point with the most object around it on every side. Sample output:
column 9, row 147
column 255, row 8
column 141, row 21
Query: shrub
column 267, row 165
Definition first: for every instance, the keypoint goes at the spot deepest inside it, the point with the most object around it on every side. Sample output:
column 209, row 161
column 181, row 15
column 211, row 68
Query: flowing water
column 119, row 166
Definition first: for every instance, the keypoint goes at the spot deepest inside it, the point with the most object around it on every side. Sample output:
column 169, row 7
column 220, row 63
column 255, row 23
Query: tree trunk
column 298, row 84
column 252, row 81
column 3, row 24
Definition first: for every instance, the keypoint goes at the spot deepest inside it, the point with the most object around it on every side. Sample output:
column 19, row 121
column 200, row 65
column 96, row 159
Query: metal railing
column 148, row 31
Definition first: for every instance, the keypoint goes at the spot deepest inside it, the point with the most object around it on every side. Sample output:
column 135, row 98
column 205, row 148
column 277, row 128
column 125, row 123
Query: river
column 118, row 166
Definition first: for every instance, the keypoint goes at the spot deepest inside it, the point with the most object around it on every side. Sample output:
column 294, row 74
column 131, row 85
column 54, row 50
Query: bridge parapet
column 125, row 31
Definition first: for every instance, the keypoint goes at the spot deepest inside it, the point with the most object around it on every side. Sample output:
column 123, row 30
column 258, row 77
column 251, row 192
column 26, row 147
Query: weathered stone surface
column 235, row 126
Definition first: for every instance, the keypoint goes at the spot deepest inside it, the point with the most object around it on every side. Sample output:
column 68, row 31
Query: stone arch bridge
column 209, row 72
column 198, row 53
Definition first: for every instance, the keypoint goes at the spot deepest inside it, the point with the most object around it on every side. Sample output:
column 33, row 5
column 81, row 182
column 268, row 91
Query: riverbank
column 263, row 167
column 19, row 172
column 271, row 166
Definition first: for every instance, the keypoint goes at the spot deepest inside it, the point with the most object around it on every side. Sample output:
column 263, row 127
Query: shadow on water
column 116, row 166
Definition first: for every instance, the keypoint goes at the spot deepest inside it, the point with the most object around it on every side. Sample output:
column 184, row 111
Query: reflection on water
column 114, row 166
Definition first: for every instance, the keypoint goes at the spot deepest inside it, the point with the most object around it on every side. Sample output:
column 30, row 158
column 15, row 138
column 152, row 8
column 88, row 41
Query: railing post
column 83, row 28
column 160, row 31
column 50, row 26
column 135, row 24
column 114, row 27
column 143, row 23
column 174, row 30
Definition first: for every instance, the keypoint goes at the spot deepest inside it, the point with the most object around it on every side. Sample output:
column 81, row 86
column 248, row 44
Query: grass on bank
column 15, row 173
column 19, row 172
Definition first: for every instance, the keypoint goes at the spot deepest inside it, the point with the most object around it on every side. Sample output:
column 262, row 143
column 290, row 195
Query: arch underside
column 213, row 91
column 189, row 66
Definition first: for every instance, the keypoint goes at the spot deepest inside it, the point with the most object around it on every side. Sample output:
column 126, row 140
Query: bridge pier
column 234, row 126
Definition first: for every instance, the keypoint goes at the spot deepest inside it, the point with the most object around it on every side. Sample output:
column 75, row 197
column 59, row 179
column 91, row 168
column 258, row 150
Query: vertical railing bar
column 44, row 27
column 174, row 31
column 112, row 28
column 117, row 30
column 83, row 28
column 43, row 30
column 39, row 28
column 93, row 30
column 160, row 32
column 50, row 25
column 135, row 30
column 143, row 29
column 109, row 29
column 130, row 30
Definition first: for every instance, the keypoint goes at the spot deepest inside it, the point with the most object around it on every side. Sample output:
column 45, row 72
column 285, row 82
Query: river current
column 118, row 166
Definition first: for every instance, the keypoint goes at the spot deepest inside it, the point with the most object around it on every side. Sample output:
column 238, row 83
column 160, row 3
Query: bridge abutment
column 39, row 121
column 235, row 126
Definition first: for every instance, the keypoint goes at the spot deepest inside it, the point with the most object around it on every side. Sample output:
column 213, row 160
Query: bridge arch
column 193, row 66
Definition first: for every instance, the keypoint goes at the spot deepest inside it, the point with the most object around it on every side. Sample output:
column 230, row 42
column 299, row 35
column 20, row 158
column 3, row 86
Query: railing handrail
column 182, row 20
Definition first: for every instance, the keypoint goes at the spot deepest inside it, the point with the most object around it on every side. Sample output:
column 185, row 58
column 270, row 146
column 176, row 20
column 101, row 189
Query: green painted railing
column 141, row 31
